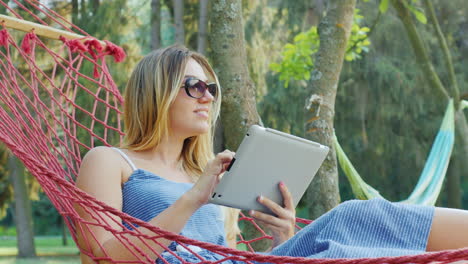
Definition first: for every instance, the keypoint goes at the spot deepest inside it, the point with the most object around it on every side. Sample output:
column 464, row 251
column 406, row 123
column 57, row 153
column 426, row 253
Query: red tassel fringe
column 28, row 42
column 4, row 37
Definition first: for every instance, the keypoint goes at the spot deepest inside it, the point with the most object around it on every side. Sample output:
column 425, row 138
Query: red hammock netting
column 58, row 100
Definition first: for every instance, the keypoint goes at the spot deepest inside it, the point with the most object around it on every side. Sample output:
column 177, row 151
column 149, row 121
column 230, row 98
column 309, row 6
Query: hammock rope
column 432, row 177
column 57, row 101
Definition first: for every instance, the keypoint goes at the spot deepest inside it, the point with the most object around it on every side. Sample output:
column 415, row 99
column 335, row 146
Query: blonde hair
column 231, row 218
column 152, row 88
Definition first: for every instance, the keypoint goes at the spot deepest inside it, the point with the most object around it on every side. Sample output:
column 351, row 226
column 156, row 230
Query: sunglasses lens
column 213, row 89
column 197, row 88
column 194, row 88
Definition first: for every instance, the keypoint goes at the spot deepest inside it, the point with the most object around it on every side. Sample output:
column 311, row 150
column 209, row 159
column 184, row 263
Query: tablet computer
column 264, row 158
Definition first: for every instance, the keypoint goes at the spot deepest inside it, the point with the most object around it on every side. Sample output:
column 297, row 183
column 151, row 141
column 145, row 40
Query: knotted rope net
column 58, row 100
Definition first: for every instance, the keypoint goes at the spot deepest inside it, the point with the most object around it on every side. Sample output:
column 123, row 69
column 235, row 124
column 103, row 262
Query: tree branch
column 446, row 52
column 371, row 30
column 420, row 51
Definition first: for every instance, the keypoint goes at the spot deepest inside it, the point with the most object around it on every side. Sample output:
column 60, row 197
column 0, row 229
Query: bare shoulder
column 101, row 154
column 100, row 163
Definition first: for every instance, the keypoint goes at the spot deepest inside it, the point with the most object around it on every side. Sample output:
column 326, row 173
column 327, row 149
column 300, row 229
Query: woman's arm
column 101, row 177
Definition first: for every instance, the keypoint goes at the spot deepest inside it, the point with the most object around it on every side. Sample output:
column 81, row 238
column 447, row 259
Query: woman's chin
column 201, row 129
column 204, row 130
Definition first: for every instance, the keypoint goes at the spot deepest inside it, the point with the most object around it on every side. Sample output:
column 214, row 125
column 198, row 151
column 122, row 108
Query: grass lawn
column 40, row 260
column 49, row 249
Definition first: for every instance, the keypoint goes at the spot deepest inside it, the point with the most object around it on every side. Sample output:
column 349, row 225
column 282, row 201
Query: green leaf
column 275, row 67
column 365, row 29
column 417, row 13
column 420, row 16
column 383, row 7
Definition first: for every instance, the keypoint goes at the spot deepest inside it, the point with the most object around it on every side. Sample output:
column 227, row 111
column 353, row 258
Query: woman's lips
column 202, row 112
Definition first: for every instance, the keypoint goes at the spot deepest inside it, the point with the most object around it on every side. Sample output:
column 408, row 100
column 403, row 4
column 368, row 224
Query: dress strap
column 126, row 158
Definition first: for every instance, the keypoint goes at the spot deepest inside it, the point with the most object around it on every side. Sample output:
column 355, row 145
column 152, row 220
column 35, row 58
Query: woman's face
column 190, row 116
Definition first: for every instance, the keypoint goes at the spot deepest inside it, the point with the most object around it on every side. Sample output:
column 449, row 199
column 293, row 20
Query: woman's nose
column 207, row 97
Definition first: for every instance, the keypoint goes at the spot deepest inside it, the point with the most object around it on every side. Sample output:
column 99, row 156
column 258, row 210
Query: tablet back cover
column 264, row 158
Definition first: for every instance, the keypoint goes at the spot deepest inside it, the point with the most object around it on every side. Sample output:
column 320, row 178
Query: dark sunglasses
column 196, row 88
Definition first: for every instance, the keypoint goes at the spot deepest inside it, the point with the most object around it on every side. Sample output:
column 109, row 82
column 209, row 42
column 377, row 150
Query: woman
column 166, row 171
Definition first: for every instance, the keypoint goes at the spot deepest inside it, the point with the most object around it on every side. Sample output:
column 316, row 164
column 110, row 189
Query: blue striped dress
column 354, row 229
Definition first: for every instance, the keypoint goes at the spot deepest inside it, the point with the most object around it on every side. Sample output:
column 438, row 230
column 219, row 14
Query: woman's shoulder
column 101, row 154
column 100, row 175
column 102, row 157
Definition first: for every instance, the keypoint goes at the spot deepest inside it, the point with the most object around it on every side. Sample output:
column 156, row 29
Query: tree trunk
column 313, row 14
column 83, row 11
column 218, row 145
column 64, row 232
column 23, row 214
column 75, row 11
column 95, row 6
column 461, row 126
column 202, row 27
column 179, row 21
column 454, row 192
column 155, row 24
column 238, row 110
column 334, row 30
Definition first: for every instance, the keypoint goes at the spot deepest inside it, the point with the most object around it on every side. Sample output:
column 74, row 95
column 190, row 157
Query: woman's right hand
column 207, row 182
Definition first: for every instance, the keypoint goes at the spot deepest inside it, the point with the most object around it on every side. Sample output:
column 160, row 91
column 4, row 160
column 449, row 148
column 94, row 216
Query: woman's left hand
column 282, row 225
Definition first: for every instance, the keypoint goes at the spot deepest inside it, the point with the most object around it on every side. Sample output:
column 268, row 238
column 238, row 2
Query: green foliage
column 267, row 31
column 386, row 117
column 297, row 58
column 297, row 63
column 412, row 7
column 47, row 220
column 383, row 6
column 358, row 40
column 417, row 12
column 298, row 16
column 167, row 28
column 265, row 35
column 102, row 23
column 6, row 189
column 7, row 231
column 283, row 109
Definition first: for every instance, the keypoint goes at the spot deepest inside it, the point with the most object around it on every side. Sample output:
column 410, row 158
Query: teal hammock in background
column 430, row 182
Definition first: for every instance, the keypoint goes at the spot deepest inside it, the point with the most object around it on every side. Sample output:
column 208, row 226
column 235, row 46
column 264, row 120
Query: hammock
column 430, row 182
column 47, row 124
